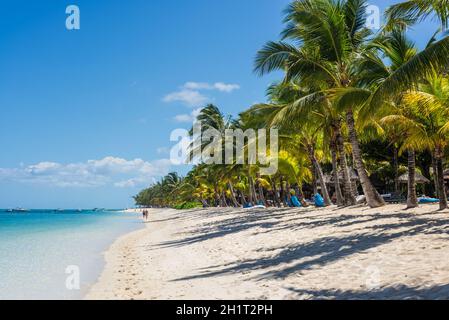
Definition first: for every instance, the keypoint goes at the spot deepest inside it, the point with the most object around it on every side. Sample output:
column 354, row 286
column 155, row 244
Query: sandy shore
column 355, row 253
column 132, row 210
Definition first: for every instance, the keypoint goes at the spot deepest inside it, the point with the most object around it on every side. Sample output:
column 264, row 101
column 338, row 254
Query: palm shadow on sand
column 319, row 252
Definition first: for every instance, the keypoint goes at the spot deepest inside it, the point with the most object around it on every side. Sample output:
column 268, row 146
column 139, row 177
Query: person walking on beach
column 145, row 214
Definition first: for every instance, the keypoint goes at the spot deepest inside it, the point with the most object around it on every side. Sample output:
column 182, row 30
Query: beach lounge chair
column 395, row 197
column 295, row 202
column 425, row 200
column 319, row 201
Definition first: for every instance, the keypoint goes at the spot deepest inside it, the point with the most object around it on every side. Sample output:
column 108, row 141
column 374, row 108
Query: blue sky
column 86, row 115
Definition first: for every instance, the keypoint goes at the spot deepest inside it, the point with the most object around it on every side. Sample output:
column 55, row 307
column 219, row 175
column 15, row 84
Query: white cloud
column 184, row 118
column 220, row 86
column 190, row 93
column 188, row 97
column 197, row 86
column 93, row 173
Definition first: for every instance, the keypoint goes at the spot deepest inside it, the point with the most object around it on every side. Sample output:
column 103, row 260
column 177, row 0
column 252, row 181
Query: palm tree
column 307, row 131
column 431, row 100
column 424, row 122
column 398, row 50
column 414, row 11
column 331, row 34
column 392, row 84
column 339, row 83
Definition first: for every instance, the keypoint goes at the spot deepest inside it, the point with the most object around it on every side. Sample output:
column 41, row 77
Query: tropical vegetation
column 355, row 110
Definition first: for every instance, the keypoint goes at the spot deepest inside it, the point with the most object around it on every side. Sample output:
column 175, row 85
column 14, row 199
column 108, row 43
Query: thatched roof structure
column 329, row 177
column 419, row 178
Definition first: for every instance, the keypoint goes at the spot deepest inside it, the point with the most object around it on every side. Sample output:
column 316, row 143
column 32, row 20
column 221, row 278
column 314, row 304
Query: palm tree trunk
column 233, row 198
column 440, row 175
column 340, row 199
column 217, row 198
column 253, row 190
column 412, row 199
column 283, row 194
column 319, row 171
column 373, row 198
column 242, row 197
column 250, row 190
column 288, row 189
column 396, row 167
column 348, row 193
column 435, row 173
column 224, row 201
column 276, row 195
column 260, row 188
column 204, row 202
column 314, row 179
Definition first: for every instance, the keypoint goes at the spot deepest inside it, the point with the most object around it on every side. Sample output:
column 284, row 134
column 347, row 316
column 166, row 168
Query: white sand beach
column 352, row 253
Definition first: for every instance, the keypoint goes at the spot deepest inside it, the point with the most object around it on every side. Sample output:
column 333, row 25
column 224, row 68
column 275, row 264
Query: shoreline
column 351, row 253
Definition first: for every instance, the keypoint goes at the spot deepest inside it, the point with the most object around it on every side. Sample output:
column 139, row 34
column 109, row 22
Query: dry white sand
column 355, row 253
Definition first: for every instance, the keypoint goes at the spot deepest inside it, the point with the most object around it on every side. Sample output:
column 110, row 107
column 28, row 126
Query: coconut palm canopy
column 350, row 103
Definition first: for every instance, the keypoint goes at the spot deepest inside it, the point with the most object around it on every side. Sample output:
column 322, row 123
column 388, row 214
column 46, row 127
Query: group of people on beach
column 293, row 200
column 145, row 214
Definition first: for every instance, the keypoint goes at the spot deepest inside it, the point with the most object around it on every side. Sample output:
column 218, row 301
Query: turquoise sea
column 42, row 250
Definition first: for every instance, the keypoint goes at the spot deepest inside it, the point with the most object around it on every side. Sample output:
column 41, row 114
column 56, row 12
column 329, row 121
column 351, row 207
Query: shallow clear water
column 37, row 247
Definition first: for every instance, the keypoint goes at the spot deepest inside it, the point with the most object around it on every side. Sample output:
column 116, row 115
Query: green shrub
column 188, row 205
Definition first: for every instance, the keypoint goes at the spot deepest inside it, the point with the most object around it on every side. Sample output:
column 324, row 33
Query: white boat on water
column 18, row 210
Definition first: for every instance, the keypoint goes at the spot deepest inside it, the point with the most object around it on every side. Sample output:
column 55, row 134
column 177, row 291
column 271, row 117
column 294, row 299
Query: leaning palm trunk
column 276, row 195
column 412, row 199
column 253, row 190
column 250, row 190
column 262, row 196
column 242, row 197
column 440, row 175
column 348, row 193
column 204, row 202
column 340, row 199
column 233, row 198
column 373, row 198
column 260, row 188
column 319, row 172
column 283, row 193
column 314, row 179
column 289, row 196
column 224, row 201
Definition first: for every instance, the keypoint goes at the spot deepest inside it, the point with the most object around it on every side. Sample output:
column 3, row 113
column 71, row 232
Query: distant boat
column 19, row 210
